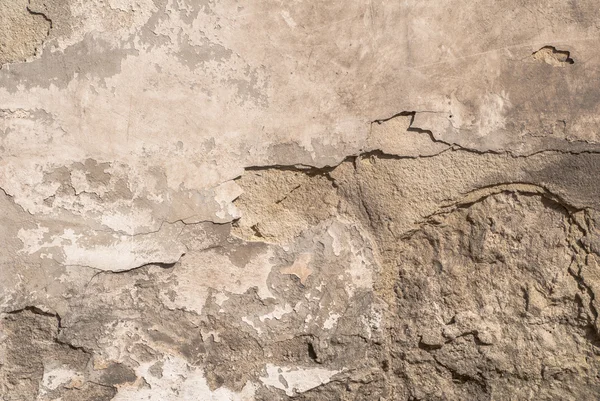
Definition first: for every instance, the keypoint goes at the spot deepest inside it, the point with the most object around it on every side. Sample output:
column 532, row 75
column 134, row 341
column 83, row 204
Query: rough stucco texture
column 309, row 200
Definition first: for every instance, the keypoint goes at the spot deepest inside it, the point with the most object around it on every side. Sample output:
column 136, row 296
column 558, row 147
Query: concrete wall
column 309, row 200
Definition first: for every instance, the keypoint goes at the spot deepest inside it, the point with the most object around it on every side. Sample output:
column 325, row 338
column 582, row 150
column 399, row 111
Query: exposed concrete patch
column 35, row 364
column 22, row 32
column 516, row 304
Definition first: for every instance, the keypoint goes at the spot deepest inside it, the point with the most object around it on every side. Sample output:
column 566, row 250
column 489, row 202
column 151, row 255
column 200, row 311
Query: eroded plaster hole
column 550, row 55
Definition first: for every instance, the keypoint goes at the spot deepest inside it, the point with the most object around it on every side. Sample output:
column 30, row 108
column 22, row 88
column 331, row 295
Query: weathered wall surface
column 310, row 200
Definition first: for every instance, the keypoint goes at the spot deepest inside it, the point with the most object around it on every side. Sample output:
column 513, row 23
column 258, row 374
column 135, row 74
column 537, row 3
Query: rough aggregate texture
column 308, row 200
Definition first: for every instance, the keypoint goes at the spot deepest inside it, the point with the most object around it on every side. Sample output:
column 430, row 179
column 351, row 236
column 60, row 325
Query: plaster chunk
column 296, row 381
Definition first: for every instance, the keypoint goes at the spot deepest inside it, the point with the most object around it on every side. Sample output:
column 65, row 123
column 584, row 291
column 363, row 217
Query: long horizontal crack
column 99, row 272
column 452, row 147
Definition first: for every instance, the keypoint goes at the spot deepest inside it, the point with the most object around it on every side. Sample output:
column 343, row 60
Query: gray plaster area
column 303, row 200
